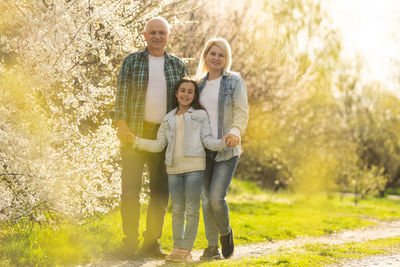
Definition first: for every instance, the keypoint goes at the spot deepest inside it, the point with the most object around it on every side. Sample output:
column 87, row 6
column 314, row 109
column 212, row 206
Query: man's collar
column 166, row 55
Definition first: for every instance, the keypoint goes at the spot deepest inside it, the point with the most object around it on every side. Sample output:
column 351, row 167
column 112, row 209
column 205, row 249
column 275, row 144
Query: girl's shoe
column 179, row 255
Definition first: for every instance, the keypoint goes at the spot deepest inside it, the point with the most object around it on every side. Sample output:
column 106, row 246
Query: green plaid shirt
column 132, row 86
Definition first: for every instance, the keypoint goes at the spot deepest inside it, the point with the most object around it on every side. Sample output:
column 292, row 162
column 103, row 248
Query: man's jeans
column 132, row 168
column 217, row 178
column 185, row 190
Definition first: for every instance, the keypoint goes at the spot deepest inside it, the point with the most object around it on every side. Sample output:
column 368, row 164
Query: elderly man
column 145, row 94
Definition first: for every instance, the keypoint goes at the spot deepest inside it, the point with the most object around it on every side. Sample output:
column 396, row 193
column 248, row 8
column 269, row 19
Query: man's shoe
column 126, row 252
column 153, row 250
column 227, row 245
column 210, row 253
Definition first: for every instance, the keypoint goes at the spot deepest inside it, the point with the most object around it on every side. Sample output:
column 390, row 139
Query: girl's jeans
column 185, row 190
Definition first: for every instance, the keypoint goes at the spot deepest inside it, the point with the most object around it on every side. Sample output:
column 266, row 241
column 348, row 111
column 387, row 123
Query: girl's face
column 215, row 59
column 185, row 94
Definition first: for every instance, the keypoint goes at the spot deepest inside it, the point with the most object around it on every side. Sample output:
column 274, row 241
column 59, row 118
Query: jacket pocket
column 197, row 118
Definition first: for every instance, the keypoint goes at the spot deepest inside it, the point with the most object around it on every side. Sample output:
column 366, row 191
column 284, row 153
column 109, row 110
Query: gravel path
column 383, row 230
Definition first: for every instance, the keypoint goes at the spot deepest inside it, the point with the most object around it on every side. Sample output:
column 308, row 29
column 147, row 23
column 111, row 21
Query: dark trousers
column 132, row 169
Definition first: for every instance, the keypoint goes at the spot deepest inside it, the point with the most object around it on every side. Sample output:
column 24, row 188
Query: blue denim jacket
column 197, row 136
column 233, row 109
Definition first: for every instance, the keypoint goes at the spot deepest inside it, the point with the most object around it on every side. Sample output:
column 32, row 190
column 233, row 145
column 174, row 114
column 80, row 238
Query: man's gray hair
column 161, row 19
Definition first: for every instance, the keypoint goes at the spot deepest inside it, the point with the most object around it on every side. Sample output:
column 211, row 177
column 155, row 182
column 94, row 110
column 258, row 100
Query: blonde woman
column 223, row 94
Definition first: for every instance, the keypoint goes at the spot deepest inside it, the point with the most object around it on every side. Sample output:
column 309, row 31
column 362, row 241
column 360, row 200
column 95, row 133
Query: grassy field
column 256, row 216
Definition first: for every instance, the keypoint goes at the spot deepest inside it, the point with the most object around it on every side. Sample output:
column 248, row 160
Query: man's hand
column 231, row 140
column 123, row 133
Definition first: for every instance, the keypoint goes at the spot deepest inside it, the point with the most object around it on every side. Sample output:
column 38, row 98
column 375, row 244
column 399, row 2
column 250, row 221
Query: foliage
column 58, row 69
column 315, row 125
column 369, row 133
column 292, row 107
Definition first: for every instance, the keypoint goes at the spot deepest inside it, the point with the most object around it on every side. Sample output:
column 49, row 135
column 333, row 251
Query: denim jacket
column 233, row 109
column 197, row 136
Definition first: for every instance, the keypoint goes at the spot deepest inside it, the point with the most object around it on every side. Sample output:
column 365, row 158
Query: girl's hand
column 231, row 140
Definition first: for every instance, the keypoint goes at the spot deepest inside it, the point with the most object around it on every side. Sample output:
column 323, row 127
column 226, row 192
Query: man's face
column 156, row 35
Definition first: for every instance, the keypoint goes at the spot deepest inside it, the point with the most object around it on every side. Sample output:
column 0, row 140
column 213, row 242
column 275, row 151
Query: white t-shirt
column 155, row 106
column 209, row 100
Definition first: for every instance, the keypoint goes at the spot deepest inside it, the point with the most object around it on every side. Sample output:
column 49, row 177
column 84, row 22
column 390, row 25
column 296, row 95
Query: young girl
column 186, row 131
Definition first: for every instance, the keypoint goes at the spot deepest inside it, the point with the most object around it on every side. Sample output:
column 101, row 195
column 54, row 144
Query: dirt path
column 377, row 260
column 383, row 230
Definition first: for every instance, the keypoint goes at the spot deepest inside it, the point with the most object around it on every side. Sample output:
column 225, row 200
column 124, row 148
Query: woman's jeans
column 217, row 178
column 185, row 190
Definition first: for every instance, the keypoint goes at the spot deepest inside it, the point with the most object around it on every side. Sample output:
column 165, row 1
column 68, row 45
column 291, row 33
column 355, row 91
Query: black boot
column 227, row 244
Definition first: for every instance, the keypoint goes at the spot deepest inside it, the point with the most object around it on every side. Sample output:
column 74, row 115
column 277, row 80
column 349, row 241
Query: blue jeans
column 217, row 178
column 185, row 190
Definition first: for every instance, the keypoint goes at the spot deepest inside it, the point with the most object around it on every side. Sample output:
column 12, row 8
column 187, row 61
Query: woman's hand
column 231, row 140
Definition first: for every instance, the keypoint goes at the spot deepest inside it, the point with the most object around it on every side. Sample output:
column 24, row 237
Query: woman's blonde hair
column 202, row 68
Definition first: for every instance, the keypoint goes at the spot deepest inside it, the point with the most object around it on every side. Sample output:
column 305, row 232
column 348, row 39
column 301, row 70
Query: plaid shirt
column 132, row 86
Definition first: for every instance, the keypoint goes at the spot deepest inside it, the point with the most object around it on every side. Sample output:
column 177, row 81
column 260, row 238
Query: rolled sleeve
column 240, row 107
column 235, row 131
column 123, row 87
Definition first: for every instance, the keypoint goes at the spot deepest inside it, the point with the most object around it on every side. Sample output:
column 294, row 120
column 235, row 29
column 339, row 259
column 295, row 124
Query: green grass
column 256, row 216
column 317, row 254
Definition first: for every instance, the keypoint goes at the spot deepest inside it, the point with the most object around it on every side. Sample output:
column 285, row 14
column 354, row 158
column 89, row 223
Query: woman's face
column 215, row 59
column 185, row 94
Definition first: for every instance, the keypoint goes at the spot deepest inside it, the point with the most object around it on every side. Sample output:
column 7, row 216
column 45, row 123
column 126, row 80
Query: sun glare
column 370, row 29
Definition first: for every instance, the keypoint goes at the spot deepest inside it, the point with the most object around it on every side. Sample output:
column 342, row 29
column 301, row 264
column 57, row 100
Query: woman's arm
column 152, row 145
column 240, row 108
column 240, row 114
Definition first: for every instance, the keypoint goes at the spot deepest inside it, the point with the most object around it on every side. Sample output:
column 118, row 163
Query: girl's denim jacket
column 197, row 136
column 233, row 109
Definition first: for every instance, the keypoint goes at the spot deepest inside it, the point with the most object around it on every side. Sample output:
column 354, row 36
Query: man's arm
column 120, row 114
column 123, row 133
